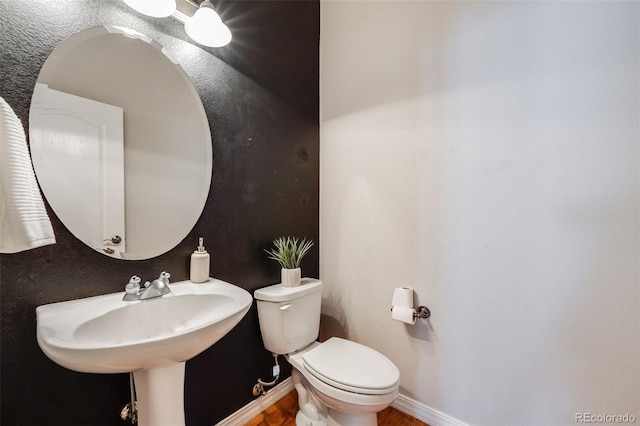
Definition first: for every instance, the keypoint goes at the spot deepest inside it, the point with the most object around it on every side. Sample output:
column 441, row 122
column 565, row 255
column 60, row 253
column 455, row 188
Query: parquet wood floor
column 283, row 413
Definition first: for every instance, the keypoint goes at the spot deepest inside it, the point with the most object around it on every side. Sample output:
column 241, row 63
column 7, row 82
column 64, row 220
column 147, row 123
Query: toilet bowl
column 351, row 380
column 339, row 382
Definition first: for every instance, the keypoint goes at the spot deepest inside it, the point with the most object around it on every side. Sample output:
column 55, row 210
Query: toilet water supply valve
column 258, row 388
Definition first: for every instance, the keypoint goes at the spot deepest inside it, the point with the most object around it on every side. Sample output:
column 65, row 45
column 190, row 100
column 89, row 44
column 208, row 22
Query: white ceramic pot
column 290, row 277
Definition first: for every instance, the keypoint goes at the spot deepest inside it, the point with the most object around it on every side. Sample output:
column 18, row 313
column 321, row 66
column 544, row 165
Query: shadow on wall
column 331, row 327
column 333, row 319
column 422, row 329
column 336, row 326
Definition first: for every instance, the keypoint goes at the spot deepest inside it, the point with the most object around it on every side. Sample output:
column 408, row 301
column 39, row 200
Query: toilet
column 339, row 382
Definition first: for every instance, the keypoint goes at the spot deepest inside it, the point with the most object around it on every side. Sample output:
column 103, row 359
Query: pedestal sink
column 151, row 338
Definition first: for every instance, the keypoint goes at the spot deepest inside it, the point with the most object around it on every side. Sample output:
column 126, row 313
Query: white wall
column 487, row 154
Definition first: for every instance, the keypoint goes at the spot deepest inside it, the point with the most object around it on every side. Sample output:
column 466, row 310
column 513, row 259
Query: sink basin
column 104, row 334
column 152, row 338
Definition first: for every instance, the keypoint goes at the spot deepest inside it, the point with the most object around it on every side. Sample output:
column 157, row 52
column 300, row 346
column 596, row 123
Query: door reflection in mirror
column 78, row 144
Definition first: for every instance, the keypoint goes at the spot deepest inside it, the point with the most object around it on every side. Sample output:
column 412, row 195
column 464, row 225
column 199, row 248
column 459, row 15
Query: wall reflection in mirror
column 120, row 143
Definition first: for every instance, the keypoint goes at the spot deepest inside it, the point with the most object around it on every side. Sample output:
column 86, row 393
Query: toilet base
column 336, row 418
column 319, row 409
column 303, row 420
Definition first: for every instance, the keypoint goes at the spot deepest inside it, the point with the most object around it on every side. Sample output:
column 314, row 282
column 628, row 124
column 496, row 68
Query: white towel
column 24, row 223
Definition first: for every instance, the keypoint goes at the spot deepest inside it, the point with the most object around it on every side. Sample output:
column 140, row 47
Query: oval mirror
column 120, row 143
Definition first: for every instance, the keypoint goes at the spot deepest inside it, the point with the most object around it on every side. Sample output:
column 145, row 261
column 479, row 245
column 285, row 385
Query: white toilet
column 339, row 382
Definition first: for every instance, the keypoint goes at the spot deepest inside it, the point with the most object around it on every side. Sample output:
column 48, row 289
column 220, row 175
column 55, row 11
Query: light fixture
column 206, row 27
column 155, row 8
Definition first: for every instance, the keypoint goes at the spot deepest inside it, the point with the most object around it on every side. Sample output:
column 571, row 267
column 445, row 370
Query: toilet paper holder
column 420, row 312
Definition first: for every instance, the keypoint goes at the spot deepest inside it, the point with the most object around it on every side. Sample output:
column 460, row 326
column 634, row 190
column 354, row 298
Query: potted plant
column 288, row 252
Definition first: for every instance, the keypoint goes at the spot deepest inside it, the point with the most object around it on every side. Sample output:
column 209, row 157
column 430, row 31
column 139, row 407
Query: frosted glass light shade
column 155, row 8
column 206, row 28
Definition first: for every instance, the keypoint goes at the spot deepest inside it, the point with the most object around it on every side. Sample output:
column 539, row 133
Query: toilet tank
column 289, row 316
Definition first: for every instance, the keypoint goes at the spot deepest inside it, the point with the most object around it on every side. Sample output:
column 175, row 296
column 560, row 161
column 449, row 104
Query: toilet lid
column 351, row 366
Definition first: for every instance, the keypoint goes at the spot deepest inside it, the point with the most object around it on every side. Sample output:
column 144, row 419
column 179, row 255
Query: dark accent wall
column 260, row 94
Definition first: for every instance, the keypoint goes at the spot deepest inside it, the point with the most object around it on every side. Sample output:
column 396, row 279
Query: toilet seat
column 342, row 397
column 336, row 393
column 351, row 367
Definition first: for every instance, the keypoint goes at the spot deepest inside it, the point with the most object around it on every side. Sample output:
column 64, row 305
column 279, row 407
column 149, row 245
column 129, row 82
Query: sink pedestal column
column 160, row 395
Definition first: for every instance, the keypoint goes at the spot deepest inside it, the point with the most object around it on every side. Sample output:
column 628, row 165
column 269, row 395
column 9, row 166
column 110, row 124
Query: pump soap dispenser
column 199, row 272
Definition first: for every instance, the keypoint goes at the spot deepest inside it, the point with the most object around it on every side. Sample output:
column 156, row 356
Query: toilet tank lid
column 280, row 293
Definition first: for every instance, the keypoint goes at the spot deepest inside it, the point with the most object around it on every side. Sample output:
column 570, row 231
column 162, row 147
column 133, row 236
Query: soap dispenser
column 199, row 272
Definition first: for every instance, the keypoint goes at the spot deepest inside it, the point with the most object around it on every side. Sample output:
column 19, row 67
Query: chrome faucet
column 156, row 288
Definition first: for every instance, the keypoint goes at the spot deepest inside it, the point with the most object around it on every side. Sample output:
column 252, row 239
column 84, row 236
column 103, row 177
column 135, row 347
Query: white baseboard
column 258, row 405
column 403, row 403
column 424, row 413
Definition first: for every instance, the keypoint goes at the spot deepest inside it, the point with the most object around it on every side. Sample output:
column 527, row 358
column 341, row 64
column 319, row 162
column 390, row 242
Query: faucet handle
column 164, row 277
column 133, row 285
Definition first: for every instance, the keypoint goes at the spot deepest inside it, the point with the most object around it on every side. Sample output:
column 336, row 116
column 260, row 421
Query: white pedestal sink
column 151, row 338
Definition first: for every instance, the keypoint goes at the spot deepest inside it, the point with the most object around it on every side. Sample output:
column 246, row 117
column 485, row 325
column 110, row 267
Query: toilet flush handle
column 285, row 307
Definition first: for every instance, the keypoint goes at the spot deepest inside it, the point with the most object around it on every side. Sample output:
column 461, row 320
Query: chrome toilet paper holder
column 422, row 312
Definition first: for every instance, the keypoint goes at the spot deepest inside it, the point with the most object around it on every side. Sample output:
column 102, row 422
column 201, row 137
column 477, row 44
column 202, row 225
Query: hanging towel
column 24, row 223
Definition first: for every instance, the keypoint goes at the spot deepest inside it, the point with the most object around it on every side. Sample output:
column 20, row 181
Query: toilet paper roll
column 404, row 314
column 403, row 297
